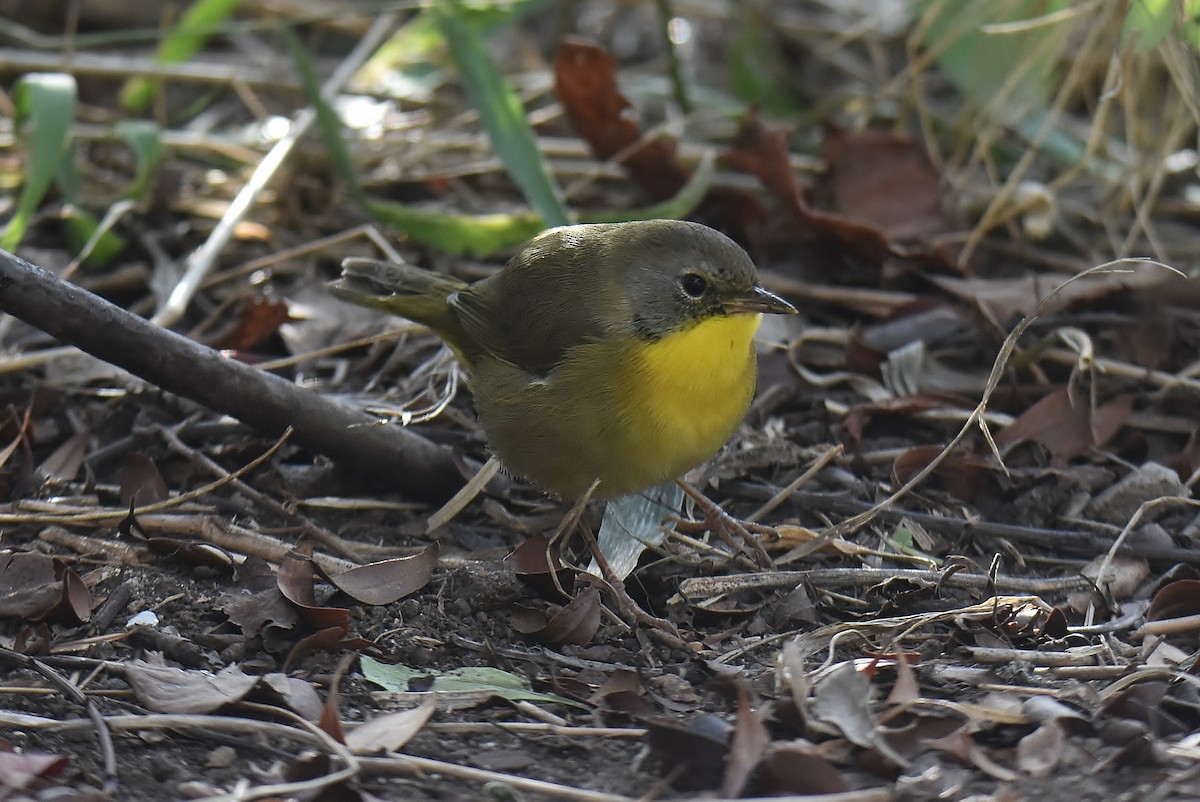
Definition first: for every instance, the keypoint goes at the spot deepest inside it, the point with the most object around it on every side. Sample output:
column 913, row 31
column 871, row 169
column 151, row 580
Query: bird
column 603, row 358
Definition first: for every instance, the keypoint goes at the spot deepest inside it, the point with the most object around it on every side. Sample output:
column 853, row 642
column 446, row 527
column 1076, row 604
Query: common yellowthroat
column 618, row 352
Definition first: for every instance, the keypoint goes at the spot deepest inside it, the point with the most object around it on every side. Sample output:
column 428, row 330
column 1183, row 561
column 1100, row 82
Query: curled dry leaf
column 959, row 472
column 750, row 740
column 140, row 481
column 386, row 581
column 623, row 692
column 297, row 582
column 575, row 623
column 35, row 587
column 21, row 770
column 257, row 320
column 795, row 769
column 887, row 181
column 1065, row 429
column 692, row 753
column 1175, row 600
column 585, row 82
column 537, row 563
column 389, row 732
column 165, row 689
column 762, row 150
column 329, row 639
column 1039, row 752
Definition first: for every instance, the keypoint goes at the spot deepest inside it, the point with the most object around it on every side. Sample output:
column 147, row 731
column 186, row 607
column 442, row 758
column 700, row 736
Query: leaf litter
column 1018, row 622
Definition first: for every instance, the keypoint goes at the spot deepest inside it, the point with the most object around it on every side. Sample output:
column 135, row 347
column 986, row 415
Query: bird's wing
column 546, row 301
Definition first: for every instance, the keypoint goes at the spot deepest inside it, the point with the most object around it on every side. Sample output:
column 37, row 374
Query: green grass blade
column 489, row 234
column 328, row 121
column 500, row 111
column 674, row 208
column 477, row 235
column 45, row 104
column 198, row 23
column 145, row 140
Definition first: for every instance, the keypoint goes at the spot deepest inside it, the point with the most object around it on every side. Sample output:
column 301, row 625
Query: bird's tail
column 410, row 292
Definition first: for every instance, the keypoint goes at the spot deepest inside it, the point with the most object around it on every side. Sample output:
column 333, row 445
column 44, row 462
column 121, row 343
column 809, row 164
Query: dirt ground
column 957, row 558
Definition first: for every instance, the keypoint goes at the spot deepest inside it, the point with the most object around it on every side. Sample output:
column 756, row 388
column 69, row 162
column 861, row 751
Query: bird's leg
column 574, row 514
column 661, row 626
column 728, row 528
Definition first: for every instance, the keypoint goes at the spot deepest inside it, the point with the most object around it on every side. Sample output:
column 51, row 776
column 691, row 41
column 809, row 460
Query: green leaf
column 1149, row 22
column 486, row 235
column 500, row 111
column 45, row 104
column 488, row 681
column 81, row 227
column 478, row 235
column 982, row 62
column 145, row 140
column 197, row 24
column 759, row 72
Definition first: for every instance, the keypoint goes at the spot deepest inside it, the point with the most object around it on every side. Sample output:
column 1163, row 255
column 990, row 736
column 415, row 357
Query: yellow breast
column 631, row 414
column 693, row 389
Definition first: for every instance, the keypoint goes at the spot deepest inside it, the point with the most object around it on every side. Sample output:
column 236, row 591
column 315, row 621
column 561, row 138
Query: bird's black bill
column 758, row 301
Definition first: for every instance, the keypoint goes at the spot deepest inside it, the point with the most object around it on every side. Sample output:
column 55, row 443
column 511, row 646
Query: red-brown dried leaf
column 330, row 639
column 330, row 722
column 140, row 481
column 537, row 563
column 29, row 588
column 1176, row 600
column 585, row 82
column 885, row 181
column 258, row 319
column 297, row 582
column 34, row 587
column 75, row 604
column 33, row 639
column 24, row 771
column 575, row 623
column 191, row 552
column 762, row 150
column 858, row 417
column 386, row 581
column 797, row 769
column 1066, row 430
column 623, row 692
column 750, row 740
column 960, row 473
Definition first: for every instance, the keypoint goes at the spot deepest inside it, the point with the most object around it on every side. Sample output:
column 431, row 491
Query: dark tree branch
column 261, row 400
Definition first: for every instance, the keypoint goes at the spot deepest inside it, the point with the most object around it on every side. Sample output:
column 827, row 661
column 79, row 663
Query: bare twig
column 261, row 400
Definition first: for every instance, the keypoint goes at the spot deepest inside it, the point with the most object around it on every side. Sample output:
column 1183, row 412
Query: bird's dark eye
column 693, row 284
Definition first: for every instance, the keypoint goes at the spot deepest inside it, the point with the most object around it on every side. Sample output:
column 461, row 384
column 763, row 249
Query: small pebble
column 221, row 758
